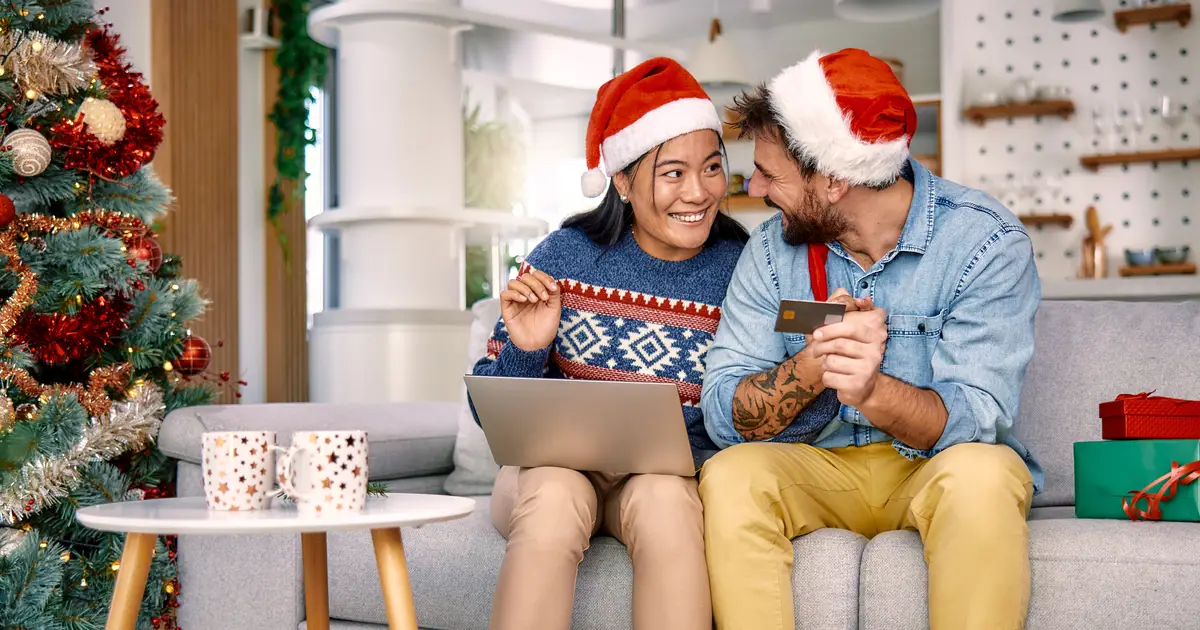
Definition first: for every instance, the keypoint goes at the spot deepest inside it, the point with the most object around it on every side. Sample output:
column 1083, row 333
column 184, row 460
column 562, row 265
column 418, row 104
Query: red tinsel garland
column 55, row 338
column 126, row 90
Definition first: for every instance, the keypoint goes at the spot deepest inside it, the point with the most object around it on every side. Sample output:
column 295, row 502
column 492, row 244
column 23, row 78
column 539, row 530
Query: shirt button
column 865, row 284
column 921, row 327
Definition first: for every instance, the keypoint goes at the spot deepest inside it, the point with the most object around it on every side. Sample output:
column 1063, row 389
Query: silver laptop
column 605, row 426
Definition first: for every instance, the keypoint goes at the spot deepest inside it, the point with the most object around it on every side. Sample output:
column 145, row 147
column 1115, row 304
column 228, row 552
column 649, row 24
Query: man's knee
column 981, row 474
column 737, row 472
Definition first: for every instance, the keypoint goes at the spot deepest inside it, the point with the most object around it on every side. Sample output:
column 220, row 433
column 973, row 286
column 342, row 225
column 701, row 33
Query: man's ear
column 621, row 183
column 835, row 190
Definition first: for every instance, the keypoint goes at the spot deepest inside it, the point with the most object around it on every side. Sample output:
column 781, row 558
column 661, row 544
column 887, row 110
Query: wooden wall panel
column 194, row 65
column 287, row 328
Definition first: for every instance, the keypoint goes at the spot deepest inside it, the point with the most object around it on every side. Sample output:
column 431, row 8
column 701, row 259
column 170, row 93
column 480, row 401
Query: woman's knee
column 554, row 502
column 658, row 501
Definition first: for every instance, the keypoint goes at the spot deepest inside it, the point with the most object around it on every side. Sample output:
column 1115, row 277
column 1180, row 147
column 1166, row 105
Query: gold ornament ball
column 103, row 119
column 31, row 151
column 8, row 415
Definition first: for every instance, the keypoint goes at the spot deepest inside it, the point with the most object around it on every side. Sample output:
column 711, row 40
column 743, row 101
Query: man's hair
column 754, row 116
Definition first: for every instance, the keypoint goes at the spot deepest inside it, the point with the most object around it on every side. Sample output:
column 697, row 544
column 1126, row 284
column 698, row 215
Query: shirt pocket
column 911, row 342
column 793, row 344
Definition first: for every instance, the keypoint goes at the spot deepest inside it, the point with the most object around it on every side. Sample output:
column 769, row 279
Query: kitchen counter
column 1147, row 289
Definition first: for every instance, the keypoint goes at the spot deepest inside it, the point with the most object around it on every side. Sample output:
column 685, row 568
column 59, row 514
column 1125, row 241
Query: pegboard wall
column 1117, row 82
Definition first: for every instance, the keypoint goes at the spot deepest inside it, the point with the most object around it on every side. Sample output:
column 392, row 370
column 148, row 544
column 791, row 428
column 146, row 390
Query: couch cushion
column 454, row 565
column 1086, row 574
column 1087, row 353
column 474, row 468
column 406, row 439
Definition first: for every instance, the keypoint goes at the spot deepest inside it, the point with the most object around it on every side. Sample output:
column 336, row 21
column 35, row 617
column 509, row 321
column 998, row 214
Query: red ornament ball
column 147, row 249
column 195, row 358
column 8, row 211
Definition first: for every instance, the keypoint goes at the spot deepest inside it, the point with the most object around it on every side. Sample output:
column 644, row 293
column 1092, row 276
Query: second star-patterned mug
column 325, row 472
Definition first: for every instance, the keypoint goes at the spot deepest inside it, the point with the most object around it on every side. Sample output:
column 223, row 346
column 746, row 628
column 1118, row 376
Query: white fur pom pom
column 593, row 183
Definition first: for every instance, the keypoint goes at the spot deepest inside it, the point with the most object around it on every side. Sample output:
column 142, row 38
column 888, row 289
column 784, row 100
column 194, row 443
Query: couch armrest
column 405, row 439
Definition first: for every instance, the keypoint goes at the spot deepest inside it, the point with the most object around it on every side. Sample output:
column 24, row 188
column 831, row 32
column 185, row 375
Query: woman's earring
column 624, row 199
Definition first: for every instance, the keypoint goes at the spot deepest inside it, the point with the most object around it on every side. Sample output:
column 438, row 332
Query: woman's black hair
column 607, row 222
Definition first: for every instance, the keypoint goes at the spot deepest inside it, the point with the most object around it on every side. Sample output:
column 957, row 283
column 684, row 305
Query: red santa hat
column 639, row 110
column 847, row 112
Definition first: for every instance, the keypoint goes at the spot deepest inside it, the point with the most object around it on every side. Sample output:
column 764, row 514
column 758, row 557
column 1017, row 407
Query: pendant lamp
column 716, row 63
column 884, row 10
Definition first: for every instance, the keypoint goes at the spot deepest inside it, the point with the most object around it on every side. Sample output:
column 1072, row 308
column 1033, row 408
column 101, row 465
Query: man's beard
column 812, row 222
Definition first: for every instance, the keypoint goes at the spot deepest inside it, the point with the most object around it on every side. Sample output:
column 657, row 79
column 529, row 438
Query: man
column 923, row 375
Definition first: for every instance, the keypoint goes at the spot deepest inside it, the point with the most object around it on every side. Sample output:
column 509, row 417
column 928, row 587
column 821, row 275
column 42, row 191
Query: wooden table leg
column 131, row 582
column 393, row 578
column 316, row 580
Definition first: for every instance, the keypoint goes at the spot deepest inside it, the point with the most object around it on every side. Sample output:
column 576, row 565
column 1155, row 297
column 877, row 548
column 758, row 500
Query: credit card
column 802, row 317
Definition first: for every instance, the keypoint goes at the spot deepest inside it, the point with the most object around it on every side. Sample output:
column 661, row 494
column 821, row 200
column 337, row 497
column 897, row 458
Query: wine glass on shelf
column 1099, row 128
column 1054, row 189
column 1172, row 115
column 1137, row 118
column 1119, row 118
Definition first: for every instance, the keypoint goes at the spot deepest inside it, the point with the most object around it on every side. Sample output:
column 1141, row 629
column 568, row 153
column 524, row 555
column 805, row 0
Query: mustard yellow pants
column 968, row 502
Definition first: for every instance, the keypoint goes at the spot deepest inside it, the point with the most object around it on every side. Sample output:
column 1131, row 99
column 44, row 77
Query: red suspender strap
column 817, row 254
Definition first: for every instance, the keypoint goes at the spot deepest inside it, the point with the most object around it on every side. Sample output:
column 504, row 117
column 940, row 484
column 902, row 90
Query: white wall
column 131, row 20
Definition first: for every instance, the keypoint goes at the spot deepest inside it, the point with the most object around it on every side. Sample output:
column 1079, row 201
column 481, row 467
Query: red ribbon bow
column 1149, row 396
column 1179, row 475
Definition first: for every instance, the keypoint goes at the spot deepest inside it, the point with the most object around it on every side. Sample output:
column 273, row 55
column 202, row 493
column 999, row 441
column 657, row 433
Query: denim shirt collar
column 918, row 227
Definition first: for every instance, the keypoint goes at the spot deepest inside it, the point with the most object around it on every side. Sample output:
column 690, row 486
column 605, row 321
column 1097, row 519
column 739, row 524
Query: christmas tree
column 94, row 341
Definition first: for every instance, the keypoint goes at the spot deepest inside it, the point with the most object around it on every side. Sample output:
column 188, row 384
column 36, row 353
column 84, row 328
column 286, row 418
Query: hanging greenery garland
column 301, row 63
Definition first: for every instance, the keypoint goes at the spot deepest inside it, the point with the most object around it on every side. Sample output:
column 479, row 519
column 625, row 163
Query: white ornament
column 31, row 152
column 103, row 119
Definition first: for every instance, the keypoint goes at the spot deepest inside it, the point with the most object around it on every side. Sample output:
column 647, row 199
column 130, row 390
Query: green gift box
column 1108, row 472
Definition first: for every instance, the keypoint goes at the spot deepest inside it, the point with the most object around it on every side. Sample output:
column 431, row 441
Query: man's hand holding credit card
column 803, row 317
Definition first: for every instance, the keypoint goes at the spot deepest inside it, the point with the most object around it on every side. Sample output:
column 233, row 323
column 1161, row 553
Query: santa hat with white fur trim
column 848, row 114
column 639, row 110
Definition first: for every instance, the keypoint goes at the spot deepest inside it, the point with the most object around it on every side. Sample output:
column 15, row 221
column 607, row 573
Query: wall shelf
column 1181, row 13
column 980, row 115
column 1061, row 220
column 1159, row 270
column 1094, row 162
column 746, row 203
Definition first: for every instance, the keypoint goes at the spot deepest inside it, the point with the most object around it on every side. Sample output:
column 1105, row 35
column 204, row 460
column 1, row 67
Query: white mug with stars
column 325, row 472
column 238, row 469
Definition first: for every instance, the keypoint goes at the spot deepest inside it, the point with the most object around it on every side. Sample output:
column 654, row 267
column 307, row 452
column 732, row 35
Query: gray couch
column 1086, row 574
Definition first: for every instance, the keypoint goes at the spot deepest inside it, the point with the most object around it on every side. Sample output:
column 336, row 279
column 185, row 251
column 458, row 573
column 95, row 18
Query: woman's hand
column 531, row 307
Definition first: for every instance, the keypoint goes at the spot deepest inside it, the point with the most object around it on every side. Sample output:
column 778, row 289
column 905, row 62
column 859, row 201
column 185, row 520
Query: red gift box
column 1146, row 417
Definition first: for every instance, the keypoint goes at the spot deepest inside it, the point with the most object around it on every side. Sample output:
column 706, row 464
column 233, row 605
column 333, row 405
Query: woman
column 628, row 291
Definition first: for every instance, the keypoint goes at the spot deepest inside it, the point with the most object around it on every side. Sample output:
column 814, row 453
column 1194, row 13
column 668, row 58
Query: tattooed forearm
column 764, row 404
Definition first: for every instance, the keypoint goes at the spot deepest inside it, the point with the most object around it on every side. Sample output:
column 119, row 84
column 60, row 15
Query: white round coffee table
column 144, row 521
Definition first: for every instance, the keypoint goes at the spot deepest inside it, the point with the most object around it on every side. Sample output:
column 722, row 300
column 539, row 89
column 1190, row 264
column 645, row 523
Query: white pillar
column 400, row 330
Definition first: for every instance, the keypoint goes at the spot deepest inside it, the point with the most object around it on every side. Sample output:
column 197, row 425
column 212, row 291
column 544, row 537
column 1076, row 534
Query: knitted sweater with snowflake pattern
column 626, row 316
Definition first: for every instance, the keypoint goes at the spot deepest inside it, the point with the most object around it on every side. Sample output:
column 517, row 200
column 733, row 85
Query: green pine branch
column 301, row 63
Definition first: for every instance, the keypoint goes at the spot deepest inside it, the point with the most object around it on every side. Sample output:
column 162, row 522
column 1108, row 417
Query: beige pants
column 550, row 514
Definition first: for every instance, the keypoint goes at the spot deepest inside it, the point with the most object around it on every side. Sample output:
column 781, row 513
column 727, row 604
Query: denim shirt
column 960, row 290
